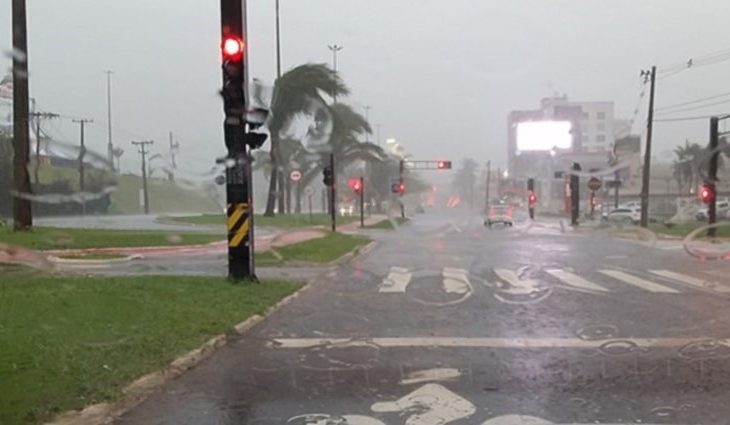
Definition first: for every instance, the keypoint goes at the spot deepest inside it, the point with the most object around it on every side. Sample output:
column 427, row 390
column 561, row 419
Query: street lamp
column 505, row 174
column 334, row 48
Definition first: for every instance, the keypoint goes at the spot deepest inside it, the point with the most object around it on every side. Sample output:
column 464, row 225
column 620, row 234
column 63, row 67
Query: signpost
column 594, row 184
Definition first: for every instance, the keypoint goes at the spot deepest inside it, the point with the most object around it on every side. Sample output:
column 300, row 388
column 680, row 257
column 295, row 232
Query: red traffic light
column 532, row 198
column 232, row 48
column 398, row 188
column 707, row 193
column 443, row 165
column 355, row 185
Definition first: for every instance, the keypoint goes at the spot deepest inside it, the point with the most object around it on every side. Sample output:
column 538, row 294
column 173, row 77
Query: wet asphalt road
column 445, row 321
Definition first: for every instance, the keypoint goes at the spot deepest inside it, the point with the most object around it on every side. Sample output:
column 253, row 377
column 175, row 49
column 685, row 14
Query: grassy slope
column 281, row 221
column 165, row 197
column 66, row 342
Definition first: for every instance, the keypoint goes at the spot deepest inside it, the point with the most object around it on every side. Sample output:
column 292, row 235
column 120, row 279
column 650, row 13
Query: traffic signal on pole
column 398, row 188
column 233, row 67
column 329, row 177
column 707, row 193
column 355, row 185
column 532, row 199
column 443, row 165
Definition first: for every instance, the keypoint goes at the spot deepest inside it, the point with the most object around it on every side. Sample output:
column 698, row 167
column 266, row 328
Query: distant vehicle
column 347, row 210
column 722, row 209
column 500, row 213
column 624, row 215
column 631, row 205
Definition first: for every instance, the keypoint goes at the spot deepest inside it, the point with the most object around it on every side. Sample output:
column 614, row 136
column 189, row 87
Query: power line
column 699, row 60
column 698, row 117
column 692, row 108
column 690, row 102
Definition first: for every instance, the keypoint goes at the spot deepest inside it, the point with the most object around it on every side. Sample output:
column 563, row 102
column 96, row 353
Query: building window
column 601, row 115
column 600, row 138
column 601, row 126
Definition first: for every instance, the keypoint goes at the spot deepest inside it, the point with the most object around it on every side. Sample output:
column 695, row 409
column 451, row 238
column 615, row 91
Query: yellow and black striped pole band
column 238, row 224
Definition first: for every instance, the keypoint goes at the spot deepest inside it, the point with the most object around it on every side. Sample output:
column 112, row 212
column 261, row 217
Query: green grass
column 322, row 250
column 684, row 229
column 289, row 221
column 57, row 238
column 66, row 342
column 387, row 224
column 267, row 258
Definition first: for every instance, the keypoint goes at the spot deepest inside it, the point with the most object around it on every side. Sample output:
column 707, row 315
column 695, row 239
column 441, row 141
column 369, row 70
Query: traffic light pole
column 362, row 202
column 575, row 195
column 401, row 170
column 333, row 194
column 712, row 174
column 530, row 191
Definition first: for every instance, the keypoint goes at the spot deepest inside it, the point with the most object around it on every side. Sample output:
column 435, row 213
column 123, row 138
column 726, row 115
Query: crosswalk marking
column 396, row 281
column 575, row 280
column 692, row 281
column 638, row 282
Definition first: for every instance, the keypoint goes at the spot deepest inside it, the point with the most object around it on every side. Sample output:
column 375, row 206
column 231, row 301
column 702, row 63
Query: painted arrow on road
column 435, row 404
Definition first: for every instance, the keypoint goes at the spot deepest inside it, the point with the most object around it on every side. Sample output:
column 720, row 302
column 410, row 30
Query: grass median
column 63, row 238
column 67, row 342
column 682, row 230
column 388, row 224
column 288, row 221
column 322, row 250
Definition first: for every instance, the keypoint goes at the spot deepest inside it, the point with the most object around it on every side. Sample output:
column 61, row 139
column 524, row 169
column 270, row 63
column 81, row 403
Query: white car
column 722, row 209
column 624, row 215
column 347, row 210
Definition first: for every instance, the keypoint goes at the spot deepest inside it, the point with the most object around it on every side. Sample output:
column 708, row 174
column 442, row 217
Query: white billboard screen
column 544, row 135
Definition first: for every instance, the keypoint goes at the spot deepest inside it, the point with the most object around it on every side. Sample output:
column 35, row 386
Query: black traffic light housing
column 328, row 176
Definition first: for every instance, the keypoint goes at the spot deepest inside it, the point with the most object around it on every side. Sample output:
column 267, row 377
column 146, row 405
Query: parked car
column 624, row 215
column 722, row 209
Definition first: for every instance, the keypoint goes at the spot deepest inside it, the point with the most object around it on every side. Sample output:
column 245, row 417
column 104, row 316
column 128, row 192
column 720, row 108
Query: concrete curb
column 81, row 261
column 143, row 387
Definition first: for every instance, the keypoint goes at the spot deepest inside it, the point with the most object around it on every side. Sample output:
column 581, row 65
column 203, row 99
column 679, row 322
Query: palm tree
column 294, row 93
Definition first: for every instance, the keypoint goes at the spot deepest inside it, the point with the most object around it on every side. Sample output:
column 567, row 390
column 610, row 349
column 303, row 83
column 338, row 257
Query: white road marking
column 456, row 281
column 396, row 281
column 638, row 282
column 692, row 281
column 484, row 342
column 575, row 280
column 455, row 227
column 430, row 375
column 517, row 285
column 531, row 420
column 432, row 404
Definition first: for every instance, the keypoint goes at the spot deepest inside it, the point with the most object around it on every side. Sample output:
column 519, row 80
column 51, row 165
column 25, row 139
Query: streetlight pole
column 110, row 146
column 334, row 48
column 278, row 42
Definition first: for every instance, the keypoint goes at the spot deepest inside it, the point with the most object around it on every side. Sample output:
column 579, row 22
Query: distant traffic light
column 355, row 185
column 232, row 48
column 532, row 199
column 443, row 165
column 328, row 176
column 398, row 188
column 707, row 193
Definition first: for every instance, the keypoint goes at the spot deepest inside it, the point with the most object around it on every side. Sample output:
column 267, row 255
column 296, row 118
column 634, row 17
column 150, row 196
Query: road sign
column 308, row 191
column 295, row 175
column 594, row 184
column 220, row 180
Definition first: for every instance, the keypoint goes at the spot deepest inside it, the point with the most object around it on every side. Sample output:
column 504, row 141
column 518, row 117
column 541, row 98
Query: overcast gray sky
column 440, row 75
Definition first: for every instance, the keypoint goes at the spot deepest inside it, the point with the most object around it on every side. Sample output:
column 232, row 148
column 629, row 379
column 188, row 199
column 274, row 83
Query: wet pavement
column 446, row 322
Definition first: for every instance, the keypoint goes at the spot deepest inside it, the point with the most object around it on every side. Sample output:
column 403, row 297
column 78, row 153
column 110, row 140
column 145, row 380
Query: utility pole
column 174, row 149
column 82, row 153
column 142, row 149
column 648, row 76
column 401, row 178
column 486, row 194
column 333, row 193
column 575, row 194
column 334, row 48
column 712, row 174
column 278, row 42
column 22, row 213
column 38, row 116
column 110, row 146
